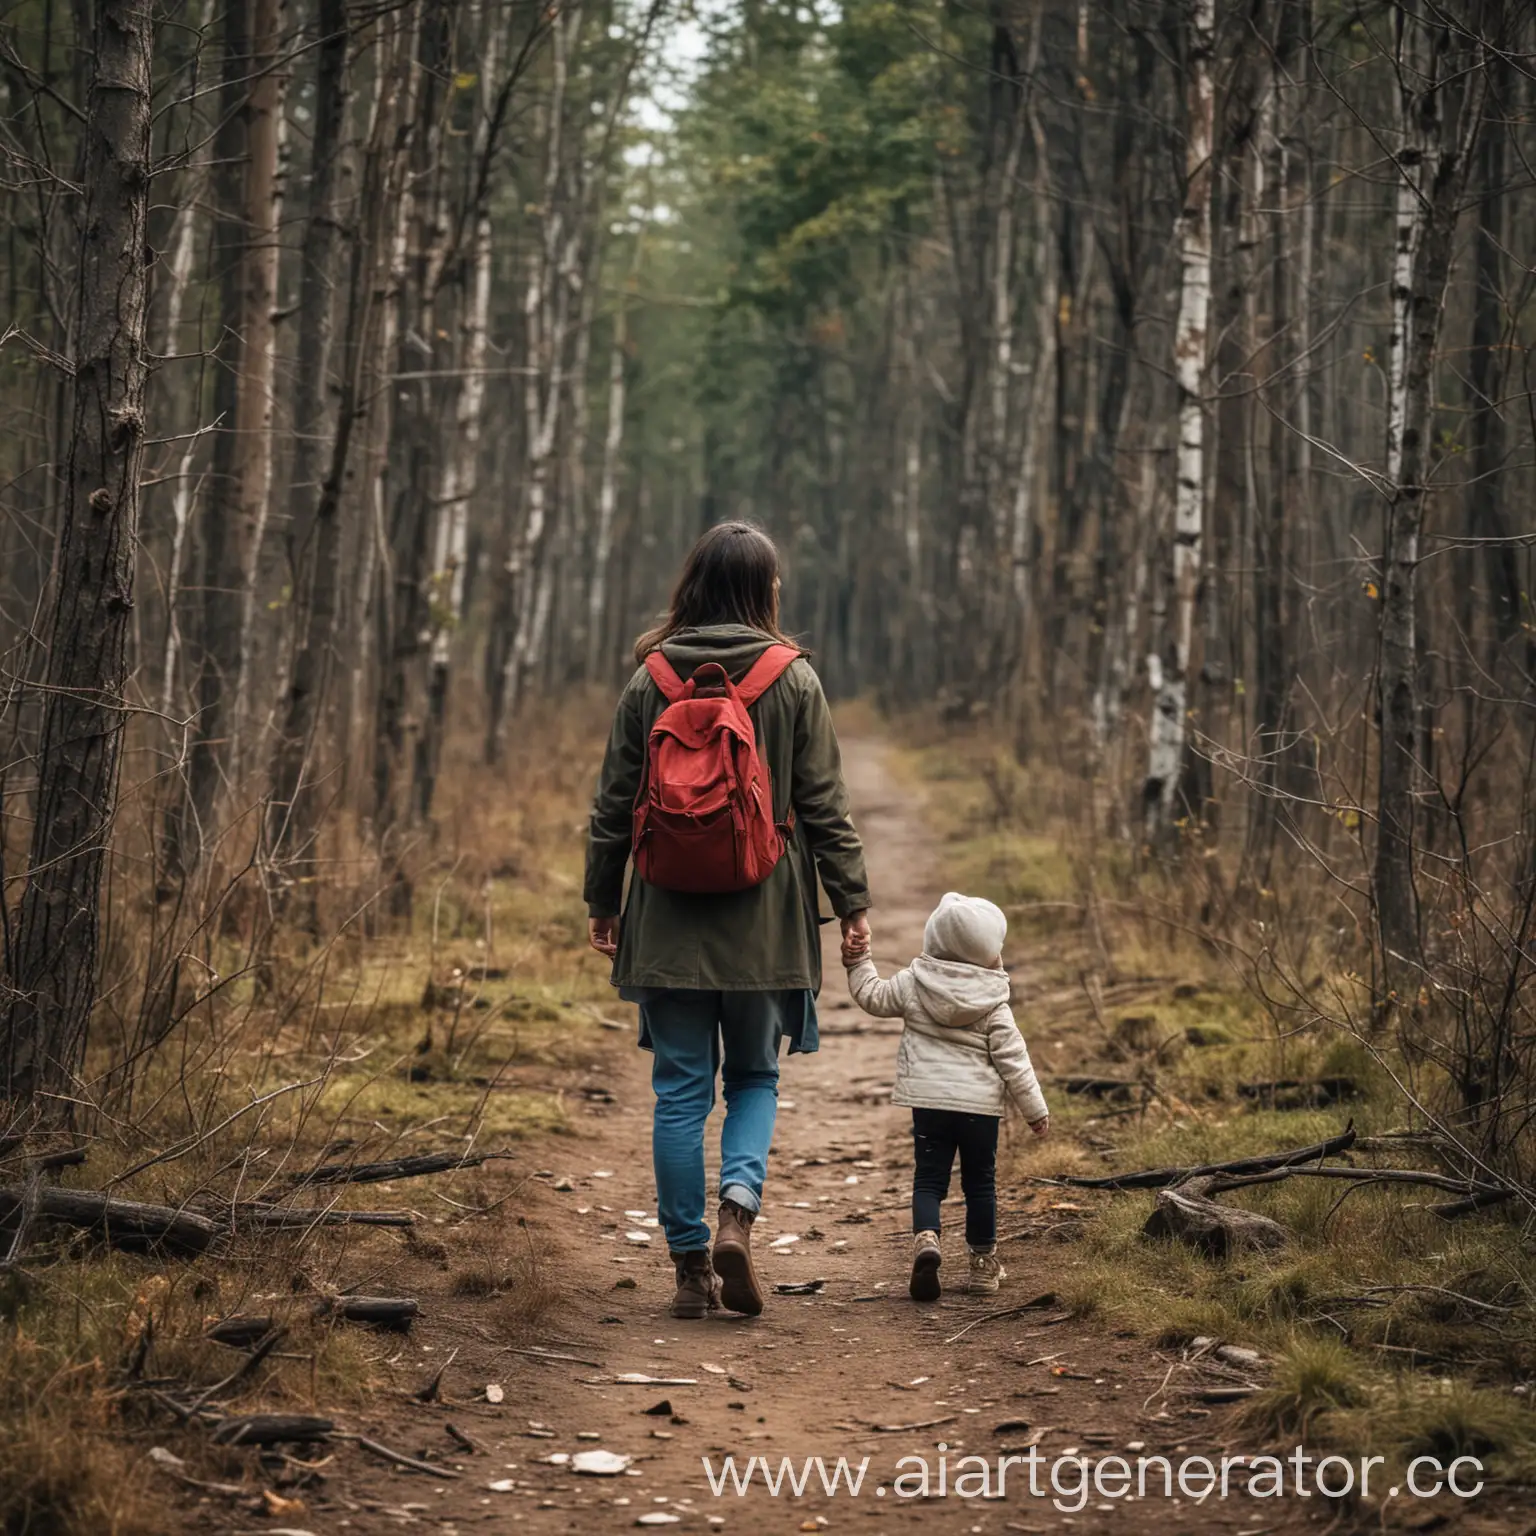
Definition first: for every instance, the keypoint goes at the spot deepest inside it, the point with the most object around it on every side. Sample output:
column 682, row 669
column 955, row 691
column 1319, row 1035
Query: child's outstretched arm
column 1010, row 1056
column 880, row 999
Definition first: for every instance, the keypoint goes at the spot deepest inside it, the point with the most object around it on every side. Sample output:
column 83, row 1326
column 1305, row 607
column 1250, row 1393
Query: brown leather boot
column 698, row 1292
column 739, row 1290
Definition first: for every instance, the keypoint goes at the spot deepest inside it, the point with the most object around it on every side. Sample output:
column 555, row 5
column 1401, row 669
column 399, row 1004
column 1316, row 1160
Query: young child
column 960, row 1060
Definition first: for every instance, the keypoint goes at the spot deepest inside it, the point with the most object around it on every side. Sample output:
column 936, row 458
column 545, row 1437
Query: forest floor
column 855, row 1370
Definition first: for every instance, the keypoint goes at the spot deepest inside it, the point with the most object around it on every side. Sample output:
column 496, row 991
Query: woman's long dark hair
column 731, row 576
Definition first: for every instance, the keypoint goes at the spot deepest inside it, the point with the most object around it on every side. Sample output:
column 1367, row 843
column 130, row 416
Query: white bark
column 258, row 364
column 462, row 466
column 1412, row 206
column 547, row 313
column 1171, row 703
column 608, row 489
column 184, row 496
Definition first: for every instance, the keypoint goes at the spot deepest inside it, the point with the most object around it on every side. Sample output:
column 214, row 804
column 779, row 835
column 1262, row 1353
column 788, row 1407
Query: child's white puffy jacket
column 961, row 1048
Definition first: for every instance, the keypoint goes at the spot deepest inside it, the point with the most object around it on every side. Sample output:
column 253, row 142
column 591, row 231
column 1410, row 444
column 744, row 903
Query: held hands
column 603, row 935
column 855, row 938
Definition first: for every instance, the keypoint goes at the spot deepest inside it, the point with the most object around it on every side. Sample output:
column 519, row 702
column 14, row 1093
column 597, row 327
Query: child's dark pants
column 937, row 1134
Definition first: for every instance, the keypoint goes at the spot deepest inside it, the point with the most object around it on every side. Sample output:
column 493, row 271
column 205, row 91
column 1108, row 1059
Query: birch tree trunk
column 461, row 468
column 527, row 578
column 253, row 416
column 608, row 485
column 184, row 491
column 1169, row 725
column 1438, row 202
column 234, row 512
column 1487, row 369
column 54, row 958
column 313, row 509
column 1272, row 667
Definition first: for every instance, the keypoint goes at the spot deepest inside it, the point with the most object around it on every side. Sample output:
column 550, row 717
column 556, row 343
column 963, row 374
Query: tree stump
column 1186, row 1215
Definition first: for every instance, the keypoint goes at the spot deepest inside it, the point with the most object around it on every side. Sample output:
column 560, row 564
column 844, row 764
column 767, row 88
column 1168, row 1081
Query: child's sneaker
column 926, row 1258
column 986, row 1271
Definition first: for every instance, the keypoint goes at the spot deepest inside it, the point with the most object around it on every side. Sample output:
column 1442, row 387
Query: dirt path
column 815, row 1374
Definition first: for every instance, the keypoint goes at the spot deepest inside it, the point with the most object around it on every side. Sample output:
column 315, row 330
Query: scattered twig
column 432, row 1391
column 394, row 1168
column 1044, row 1299
column 396, row 1458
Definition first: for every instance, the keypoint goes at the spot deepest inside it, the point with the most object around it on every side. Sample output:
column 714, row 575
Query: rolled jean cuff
column 740, row 1195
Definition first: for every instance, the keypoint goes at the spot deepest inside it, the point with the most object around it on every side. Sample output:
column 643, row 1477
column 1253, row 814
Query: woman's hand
column 603, row 935
column 1040, row 1127
column 855, row 938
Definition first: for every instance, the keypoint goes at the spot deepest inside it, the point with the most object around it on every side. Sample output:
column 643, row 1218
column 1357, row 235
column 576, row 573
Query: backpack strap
column 664, row 675
column 765, row 672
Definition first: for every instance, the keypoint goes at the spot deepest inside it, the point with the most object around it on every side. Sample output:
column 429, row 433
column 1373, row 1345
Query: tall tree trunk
column 54, row 958
column 1272, row 666
column 234, row 510
column 461, row 469
column 1168, row 726
column 527, row 594
column 314, row 508
column 258, row 335
column 1410, row 461
column 608, row 485
column 1487, row 522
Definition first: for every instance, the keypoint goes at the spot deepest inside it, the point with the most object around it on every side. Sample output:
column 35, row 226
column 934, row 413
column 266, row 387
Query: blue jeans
column 694, row 1035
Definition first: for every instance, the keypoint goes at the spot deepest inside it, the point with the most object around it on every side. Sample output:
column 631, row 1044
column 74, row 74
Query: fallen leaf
column 502, row 1485
column 657, row 1518
column 785, row 1240
column 276, row 1504
column 714, row 1370
column 637, row 1237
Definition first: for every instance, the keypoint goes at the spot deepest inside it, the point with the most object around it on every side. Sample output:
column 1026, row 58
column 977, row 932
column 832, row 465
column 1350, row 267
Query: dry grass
column 460, row 1029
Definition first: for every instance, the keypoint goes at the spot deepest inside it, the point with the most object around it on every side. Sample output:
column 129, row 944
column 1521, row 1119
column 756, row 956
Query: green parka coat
column 760, row 940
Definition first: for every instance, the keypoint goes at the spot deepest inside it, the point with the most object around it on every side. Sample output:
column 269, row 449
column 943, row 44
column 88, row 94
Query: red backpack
column 704, row 815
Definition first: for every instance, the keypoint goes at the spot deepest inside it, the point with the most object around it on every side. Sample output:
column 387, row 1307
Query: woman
column 722, row 980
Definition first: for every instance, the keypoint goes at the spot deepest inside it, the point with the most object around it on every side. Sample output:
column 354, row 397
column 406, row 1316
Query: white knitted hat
column 965, row 928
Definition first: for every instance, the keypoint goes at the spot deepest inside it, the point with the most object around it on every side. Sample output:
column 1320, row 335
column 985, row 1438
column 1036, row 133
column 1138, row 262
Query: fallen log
column 1452, row 1210
column 1162, row 1178
column 125, row 1224
column 1465, row 1187
column 394, row 1168
column 241, row 1331
column 393, row 1312
column 273, row 1429
column 1301, row 1093
column 1114, row 1088
column 1187, row 1216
